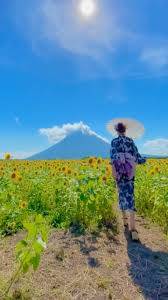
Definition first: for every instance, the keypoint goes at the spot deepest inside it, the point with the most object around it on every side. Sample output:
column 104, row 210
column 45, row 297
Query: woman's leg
column 132, row 220
column 125, row 220
column 134, row 233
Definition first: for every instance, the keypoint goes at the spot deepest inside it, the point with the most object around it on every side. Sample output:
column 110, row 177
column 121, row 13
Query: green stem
column 13, row 280
column 14, row 277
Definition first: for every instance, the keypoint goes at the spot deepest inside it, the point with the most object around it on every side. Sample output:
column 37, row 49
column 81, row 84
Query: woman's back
column 124, row 144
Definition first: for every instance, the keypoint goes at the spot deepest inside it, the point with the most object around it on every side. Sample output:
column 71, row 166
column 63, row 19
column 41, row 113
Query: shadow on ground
column 148, row 270
column 86, row 250
column 87, row 245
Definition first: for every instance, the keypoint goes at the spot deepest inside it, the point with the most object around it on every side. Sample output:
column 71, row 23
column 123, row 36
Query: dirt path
column 96, row 267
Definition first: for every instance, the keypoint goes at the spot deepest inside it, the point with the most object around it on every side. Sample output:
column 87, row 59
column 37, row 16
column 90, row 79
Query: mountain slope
column 74, row 146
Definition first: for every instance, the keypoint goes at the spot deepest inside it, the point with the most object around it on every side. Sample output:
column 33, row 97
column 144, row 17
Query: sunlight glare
column 87, row 8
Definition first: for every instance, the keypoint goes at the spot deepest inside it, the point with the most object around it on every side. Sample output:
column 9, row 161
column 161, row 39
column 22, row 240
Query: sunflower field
column 77, row 194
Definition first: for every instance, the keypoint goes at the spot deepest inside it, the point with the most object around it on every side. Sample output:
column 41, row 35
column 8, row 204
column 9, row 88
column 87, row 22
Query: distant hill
column 79, row 145
column 76, row 146
column 154, row 156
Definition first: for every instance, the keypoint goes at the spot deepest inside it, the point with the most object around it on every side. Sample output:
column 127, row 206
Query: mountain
column 76, row 146
column 155, row 156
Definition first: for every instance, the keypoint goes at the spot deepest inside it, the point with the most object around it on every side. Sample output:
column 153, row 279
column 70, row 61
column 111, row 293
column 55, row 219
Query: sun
column 87, row 8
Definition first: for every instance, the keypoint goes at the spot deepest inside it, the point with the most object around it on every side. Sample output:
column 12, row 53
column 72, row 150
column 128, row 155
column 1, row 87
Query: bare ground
column 95, row 266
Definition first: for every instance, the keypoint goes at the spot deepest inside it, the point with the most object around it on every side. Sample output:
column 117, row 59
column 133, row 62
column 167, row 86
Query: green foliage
column 29, row 250
column 77, row 194
column 10, row 221
column 84, row 202
column 37, row 203
column 151, row 189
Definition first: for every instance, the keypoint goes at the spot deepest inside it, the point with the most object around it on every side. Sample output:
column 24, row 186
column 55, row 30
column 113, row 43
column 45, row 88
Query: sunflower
column 19, row 178
column 104, row 178
column 90, row 161
column 99, row 161
column 7, row 156
column 23, row 204
column 152, row 172
column 14, row 175
column 157, row 170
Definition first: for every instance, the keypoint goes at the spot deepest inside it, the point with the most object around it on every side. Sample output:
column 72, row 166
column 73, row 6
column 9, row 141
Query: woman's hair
column 120, row 128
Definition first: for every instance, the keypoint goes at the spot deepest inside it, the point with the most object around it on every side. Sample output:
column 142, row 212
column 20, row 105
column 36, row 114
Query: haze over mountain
column 75, row 146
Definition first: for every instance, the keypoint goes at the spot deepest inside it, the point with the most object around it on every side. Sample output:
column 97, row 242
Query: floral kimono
column 124, row 157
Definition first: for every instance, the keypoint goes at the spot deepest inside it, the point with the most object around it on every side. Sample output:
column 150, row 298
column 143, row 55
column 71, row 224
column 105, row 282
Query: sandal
column 134, row 235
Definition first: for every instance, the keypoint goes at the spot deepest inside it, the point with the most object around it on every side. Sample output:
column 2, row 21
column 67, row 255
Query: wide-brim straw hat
column 134, row 128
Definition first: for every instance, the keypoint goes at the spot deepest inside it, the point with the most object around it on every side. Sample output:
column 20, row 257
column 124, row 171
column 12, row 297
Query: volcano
column 76, row 146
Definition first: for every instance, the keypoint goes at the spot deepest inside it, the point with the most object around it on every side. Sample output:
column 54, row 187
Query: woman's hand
column 141, row 160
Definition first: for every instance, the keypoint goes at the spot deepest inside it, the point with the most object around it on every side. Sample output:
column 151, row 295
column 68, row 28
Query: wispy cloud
column 17, row 120
column 92, row 44
column 58, row 133
column 112, row 44
column 62, row 25
column 156, row 57
column 156, row 147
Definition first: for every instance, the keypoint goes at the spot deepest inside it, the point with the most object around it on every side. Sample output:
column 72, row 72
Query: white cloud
column 157, row 146
column 58, row 133
column 155, row 57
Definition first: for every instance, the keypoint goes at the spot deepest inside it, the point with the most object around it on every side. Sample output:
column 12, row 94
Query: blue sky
column 59, row 67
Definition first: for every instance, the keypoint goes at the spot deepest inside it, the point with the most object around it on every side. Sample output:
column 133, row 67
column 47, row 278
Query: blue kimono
column 123, row 144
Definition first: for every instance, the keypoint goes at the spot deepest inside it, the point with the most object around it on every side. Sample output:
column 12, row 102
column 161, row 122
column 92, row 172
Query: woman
column 124, row 157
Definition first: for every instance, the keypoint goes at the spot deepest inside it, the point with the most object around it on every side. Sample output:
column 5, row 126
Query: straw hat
column 134, row 129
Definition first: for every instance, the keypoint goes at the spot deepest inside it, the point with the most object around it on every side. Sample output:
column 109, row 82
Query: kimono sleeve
column 113, row 151
column 113, row 156
column 139, row 158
